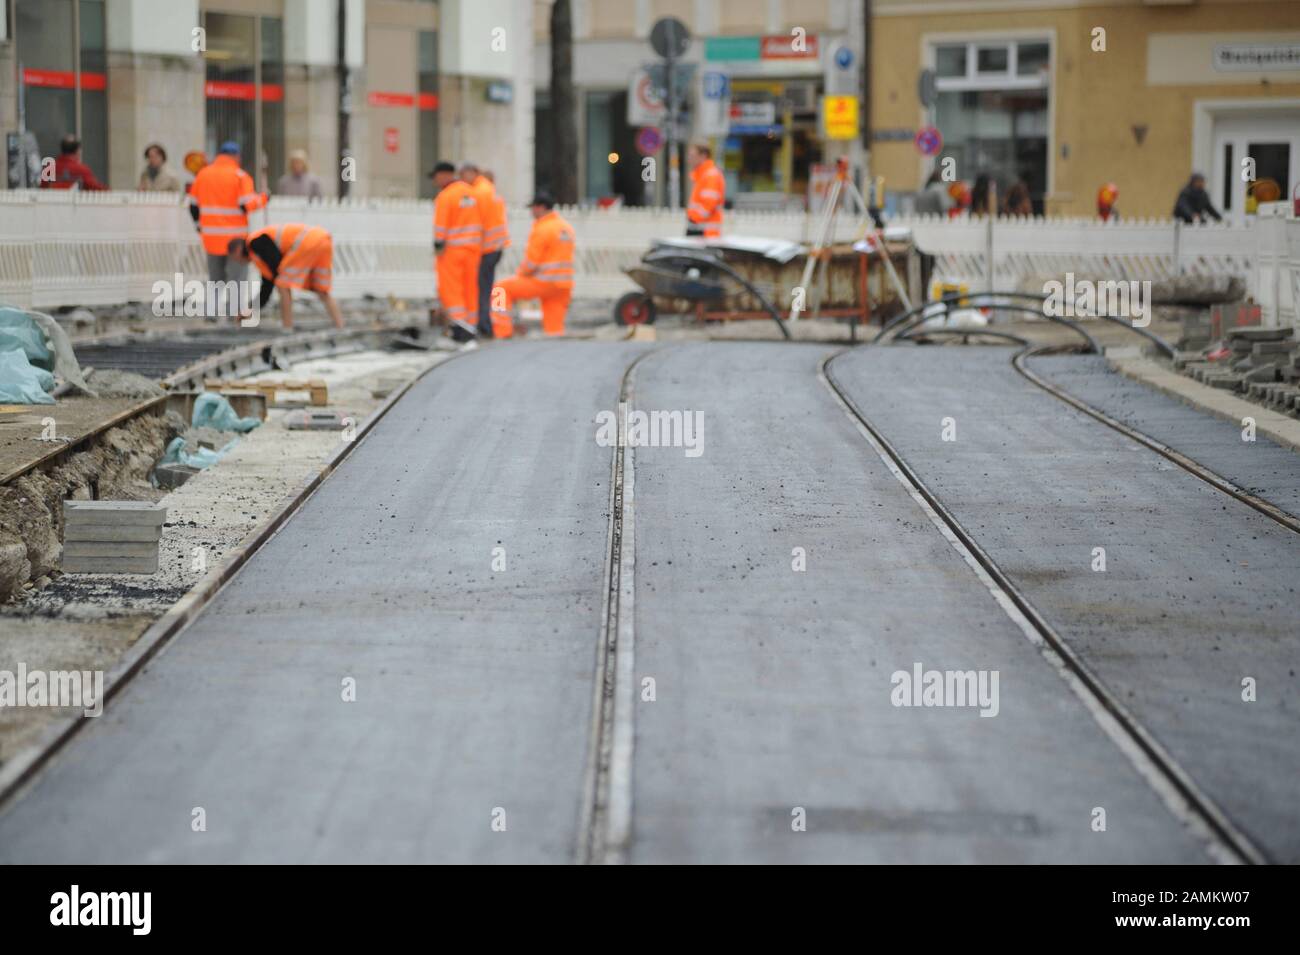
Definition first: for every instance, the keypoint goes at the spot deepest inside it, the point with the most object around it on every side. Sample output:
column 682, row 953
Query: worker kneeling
column 546, row 272
column 291, row 256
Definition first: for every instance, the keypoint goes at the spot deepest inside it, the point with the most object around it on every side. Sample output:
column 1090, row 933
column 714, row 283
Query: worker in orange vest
column 220, row 200
column 545, row 273
column 291, row 256
column 458, row 244
column 495, row 239
column 708, row 192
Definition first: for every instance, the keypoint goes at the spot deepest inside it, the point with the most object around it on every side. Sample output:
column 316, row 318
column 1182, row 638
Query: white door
column 1271, row 139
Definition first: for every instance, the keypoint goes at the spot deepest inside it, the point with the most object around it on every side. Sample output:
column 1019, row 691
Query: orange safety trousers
column 458, row 283
column 555, row 303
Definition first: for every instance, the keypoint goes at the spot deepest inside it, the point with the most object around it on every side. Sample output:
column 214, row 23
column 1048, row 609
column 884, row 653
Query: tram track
column 1184, row 798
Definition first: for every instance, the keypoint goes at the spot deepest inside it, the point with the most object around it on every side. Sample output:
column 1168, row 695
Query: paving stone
column 1260, row 333
column 112, row 532
column 312, row 420
column 1262, row 373
column 141, row 549
column 110, row 565
column 114, row 512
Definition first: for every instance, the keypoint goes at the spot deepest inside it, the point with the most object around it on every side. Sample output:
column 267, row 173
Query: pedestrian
column 708, row 193
column 291, row 256
column 1106, row 197
column 69, row 171
column 1018, row 201
column 1193, row 204
column 546, row 272
column 156, row 176
column 458, row 245
column 220, row 200
column 934, row 199
column 981, row 203
column 299, row 180
column 495, row 239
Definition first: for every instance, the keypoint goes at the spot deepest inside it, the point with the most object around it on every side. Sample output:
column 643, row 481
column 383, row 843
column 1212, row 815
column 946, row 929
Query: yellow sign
column 840, row 117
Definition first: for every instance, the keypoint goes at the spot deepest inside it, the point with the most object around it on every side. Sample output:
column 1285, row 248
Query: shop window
column 992, row 60
column 61, row 50
column 1032, row 59
column 428, row 106
column 950, row 61
column 244, row 90
column 993, row 113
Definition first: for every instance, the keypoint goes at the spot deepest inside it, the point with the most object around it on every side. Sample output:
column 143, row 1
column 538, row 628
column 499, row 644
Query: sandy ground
column 87, row 621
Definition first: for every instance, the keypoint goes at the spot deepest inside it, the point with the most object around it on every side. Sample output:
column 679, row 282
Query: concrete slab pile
column 111, row 537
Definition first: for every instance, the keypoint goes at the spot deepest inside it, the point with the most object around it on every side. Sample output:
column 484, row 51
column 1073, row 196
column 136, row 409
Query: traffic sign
column 670, row 38
column 928, row 141
column 844, row 58
column 840, row 116
column 648, row 141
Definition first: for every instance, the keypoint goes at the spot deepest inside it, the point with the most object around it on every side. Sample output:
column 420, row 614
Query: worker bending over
column 545, row 273
column 291, row 256
column 458, row 245
column 708, row 193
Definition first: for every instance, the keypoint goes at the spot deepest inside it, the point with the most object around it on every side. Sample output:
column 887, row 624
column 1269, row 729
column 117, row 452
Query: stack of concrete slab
column 1261, row 362
column 111, row 537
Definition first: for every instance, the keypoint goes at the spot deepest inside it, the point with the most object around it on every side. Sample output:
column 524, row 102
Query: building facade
column 1068, row 96
column 191, row 74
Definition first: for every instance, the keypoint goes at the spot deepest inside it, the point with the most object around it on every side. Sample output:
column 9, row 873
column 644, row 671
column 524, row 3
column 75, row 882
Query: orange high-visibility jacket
column 707, row 195
column 224, row 195
column 549, row 256
column 457, row 218
column 493, row 209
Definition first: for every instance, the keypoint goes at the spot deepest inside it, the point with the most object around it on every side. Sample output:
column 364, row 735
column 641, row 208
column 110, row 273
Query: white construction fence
column 85, row 248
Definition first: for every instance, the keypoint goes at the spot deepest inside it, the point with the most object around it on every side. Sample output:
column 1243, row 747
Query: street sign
column 840, row 117
column 928, row 141
column 670, row 38
column 645, row 100
column 925, row 88
column 713, row 112
column 844, row 58
column 390, row 139
column 648, row 141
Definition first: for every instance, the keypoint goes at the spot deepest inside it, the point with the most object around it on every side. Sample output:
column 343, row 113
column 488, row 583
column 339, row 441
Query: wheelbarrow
column 697, row 276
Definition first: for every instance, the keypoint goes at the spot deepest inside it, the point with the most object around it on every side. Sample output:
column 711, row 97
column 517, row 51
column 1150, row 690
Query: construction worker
column 708, row 192
column 458, row 244
column 220, row 200
column 495, row 239
column 291, row 256
column 69, row 171
column 545, row 273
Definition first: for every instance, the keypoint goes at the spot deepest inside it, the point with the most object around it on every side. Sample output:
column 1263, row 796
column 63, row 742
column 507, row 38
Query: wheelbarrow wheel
column 635, row 308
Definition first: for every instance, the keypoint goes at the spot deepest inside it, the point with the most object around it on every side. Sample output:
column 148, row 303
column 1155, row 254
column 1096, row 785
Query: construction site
column 691, row 534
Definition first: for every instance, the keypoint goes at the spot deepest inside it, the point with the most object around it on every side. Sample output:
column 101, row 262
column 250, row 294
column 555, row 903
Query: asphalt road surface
column 782, row 587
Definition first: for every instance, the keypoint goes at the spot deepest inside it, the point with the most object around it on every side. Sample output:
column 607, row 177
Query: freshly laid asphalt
column 782, row 577
column 1199, row 591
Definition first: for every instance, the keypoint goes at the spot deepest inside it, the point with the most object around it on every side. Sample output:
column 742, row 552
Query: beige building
column 1068, row 96
column 425, row 80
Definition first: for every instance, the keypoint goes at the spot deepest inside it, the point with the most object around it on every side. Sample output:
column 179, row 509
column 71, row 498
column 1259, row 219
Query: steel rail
column 1176, row 787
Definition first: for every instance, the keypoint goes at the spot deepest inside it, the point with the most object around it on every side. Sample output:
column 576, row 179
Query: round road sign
column 648, row 141
column 670, row 37
column 929, row 140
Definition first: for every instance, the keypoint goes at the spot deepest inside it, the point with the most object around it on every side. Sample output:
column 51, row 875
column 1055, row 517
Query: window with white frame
column 991, row 106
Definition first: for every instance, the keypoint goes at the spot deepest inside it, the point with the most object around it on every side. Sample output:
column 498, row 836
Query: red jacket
column 70, row 173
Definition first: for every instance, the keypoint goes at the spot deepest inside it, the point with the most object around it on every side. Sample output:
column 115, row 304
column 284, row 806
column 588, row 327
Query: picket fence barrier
column 85, row 248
